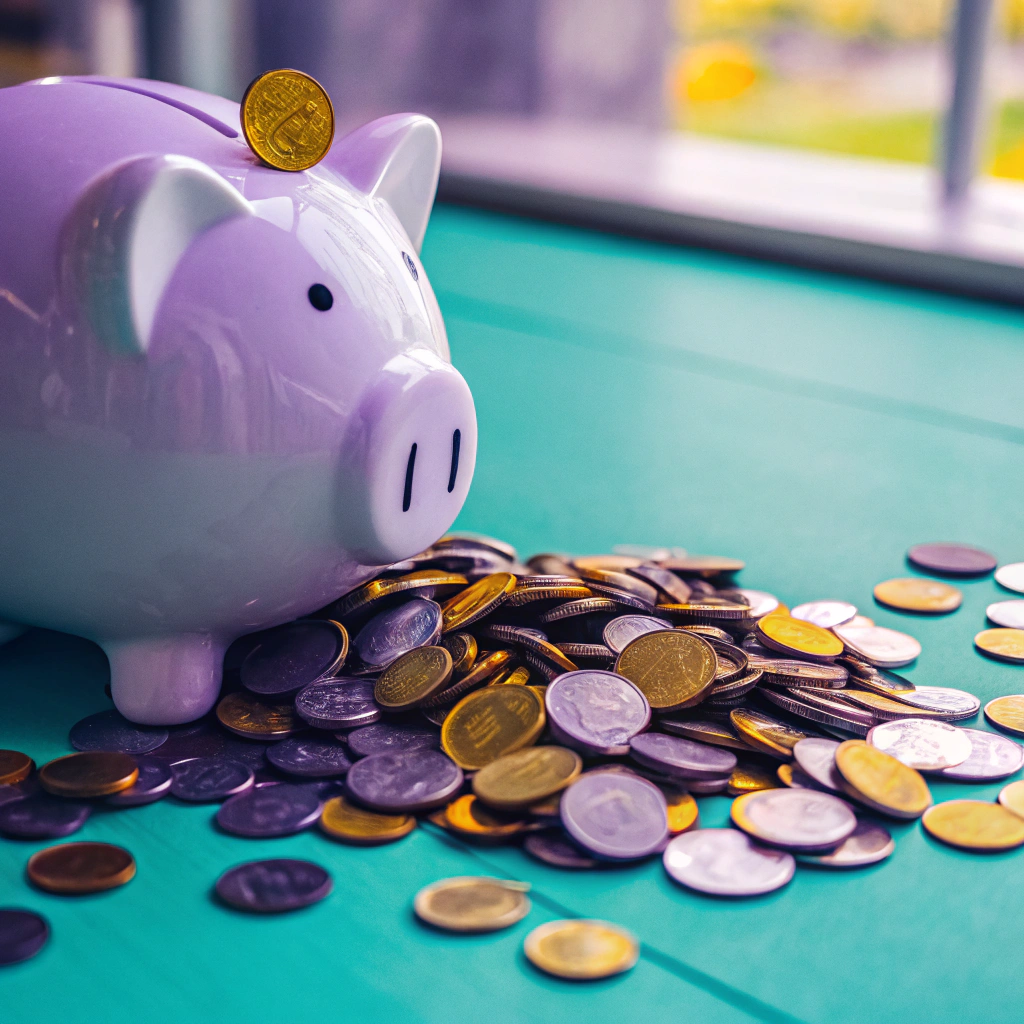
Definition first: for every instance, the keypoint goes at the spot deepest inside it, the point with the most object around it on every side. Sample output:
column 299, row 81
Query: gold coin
column 488, row 665
column 413, row 677
column 751, row 779
column 287, row 119
column 491, row 722
column 438, row 582
column 794, row 636
column 718, row 734
column 1012, row 797
column 682, row 810
column 882, row 707
column 785, row 774
column 1007, row 713
column 1004, row 644
column 476, row 601
column 672, row 669
column 974, row 825
column 764, row 733
column 526, row 777
column 247, row 716
column 463, row 649
column 468, row 904
column 14, row 766
column 581, row 949
column 341, row 820
column 880, row 781
column 80, row 868
column 468, row 816
column 90, row 774
column 519, row 676
column 919, row 595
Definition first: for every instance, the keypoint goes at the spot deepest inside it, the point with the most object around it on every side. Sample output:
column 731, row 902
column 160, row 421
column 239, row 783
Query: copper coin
column 14, row 766
column 80, row 868
column 89, row 774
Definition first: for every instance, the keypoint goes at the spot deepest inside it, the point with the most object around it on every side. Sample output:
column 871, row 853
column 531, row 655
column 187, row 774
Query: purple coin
column 558, row 850
column 110, row 730
column 154, row 782
column 270, row 811
column 596, row 711
column 42, row 817
column 309, row 756
column 413, row 780
column 273, row 886
column 392, row 633
column 209, row 739
column 293, row 656
column 616, row 816
column 680, row 757
column 384, row 738
column 952, row 559
column 338, row 703
column 622, row 631
column 992, row 757
column 22, row 934
column 210, row 779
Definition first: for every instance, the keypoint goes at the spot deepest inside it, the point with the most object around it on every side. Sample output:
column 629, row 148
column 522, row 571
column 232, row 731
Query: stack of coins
column 579, row 706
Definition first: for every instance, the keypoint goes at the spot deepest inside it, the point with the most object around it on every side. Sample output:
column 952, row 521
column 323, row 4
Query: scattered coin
column 951, row 559
column 491, row 722
column 273, row 886
column 624, row 629
column 1008, row 614
column 798, row 638
column 337, row 704
column 581, row 950
column 412, row 678
column 42, row 817
column 468, row 904
column 343, row 820
column 724, row 862
column 596, row 711
column 469, row 816
column 153, row 783
column 795, row 819
column 880, row 781
column 389, row 738
column 23, row 933
column 673, row 669
column 80, row 868
column 884, row 708
column 310, row 757
column 679, row 757
column 246, row 715
column 210, row 779
column 992, row 757
column 974, row 825
column 110, row 730
column 414, row 780
column 90, row 774
column 825, row 613
column 919, row 595
column 1002, row 644
column 921, row 743
column 816, row 756
column 615, row 816
column 14, row 766
column 867, row 844
column 526, row 777
column 558, row 850
column 287, row 119
column 951, row 704
column 294, row 655
column 1011, row 796
column 396, row 631
column 1007, row 713
column 884, row 648
column 269, row 811
column 1011, row 576
column 764, row 733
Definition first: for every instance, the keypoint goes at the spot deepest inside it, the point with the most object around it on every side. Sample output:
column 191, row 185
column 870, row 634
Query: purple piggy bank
column 226, row 396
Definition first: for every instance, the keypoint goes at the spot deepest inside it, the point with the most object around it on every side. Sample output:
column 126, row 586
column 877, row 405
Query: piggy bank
column 226, row 395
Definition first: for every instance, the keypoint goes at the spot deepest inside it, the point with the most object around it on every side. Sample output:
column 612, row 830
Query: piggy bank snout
column 420, row 452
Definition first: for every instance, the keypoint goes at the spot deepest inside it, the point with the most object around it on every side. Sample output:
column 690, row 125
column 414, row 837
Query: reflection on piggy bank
column 226, row 396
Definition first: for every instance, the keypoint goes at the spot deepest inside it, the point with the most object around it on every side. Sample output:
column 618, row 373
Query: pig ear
column 397, row 159
column 127, row 233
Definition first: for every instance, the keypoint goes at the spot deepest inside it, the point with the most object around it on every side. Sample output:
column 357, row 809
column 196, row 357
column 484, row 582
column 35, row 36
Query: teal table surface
column 813, row 425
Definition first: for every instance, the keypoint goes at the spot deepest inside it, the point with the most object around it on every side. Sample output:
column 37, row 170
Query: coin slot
column 409, row 469
column 456, row 444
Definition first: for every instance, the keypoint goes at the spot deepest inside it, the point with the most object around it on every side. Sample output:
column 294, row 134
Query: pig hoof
column 165, row 680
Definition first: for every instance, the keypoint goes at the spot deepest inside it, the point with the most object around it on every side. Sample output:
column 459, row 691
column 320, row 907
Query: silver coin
column 1008, row 614
column 761, row 603
column 596, row 711
column 626, row 628
column 724, row 862
column 392, row 633
column 708, row 787
column 922, row 743
column 868, row 844
column 1011, row 576
column 817, row 757
column 884, row 648
column 992, row 757
column 795, row 819
column 825, row 613
column 665, row 580
column 952, row 704
column 823, row 710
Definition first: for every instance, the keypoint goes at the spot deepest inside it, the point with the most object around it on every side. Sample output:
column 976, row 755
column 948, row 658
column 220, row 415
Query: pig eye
column 320, row 297
column 411, row 265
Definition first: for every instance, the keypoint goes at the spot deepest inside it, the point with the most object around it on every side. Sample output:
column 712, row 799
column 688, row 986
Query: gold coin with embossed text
column 880, row 781
column 412, row 678
column 491, row 722
column 526, row 776
column 287, row 119
column 671, row 668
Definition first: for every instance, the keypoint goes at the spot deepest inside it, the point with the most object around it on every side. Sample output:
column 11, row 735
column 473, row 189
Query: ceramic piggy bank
column 226, row 396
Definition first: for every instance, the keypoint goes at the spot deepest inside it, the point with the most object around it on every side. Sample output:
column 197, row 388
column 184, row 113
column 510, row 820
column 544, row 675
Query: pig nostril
column 456, row 442
column 410, row 467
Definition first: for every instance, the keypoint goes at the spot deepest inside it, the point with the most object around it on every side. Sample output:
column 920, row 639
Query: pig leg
column 165, row 680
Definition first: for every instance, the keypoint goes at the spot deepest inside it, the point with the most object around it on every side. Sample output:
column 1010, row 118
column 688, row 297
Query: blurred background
column 866, row 78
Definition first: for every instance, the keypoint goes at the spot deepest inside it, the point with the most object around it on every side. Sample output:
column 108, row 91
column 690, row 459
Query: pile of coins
column 578, row 706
